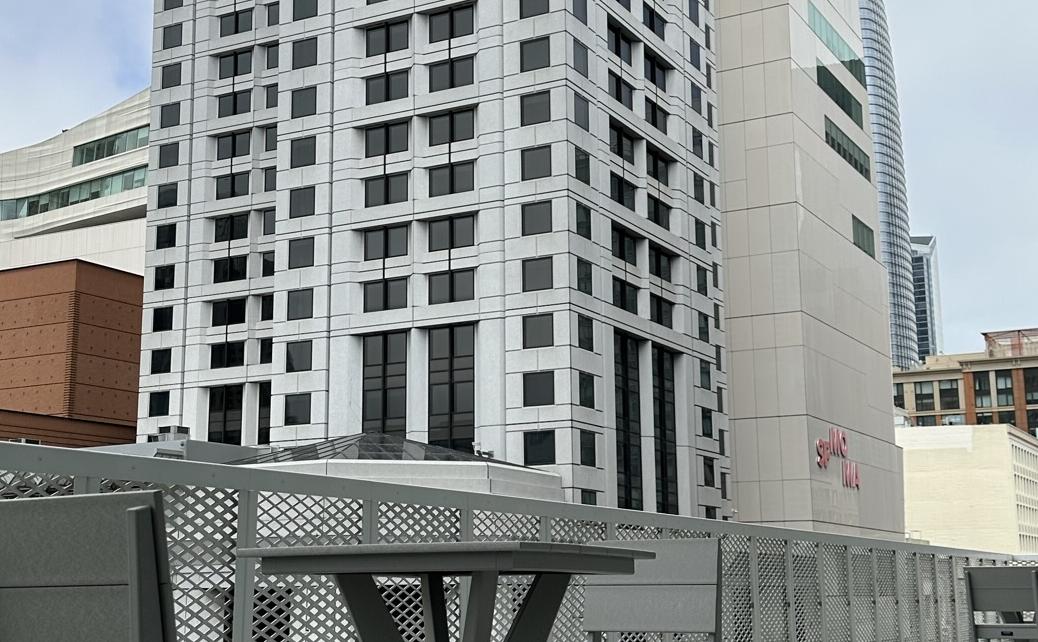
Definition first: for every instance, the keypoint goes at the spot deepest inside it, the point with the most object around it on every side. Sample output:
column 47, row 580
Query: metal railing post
column 369, row 521
column 754, row 589
column 244, row 569
column 82, row 485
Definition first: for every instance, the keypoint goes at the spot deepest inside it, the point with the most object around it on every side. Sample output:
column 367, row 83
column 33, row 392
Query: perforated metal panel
column 886, row 595
column 927, row 599
column 807, row 607
column 908, row 595
column 835, row 600
column 862, row 595
column 945, row 598
column 774, row 605
column 737, row 619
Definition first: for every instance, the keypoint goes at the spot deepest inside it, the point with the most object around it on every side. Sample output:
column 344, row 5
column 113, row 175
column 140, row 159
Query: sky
column 967, row 88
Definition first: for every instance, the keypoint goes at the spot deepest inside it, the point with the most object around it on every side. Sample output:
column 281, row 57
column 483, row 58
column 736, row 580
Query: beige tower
column 807, row 299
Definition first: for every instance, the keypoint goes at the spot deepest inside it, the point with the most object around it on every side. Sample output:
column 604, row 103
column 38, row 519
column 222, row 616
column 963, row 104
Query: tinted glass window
column 158, row 404
column 303, row 151
column 300, row 253
column 161, row 361
column 585, row 333
column 385, row 242
column 451, row 127
column 169, row 155
column 536, row 162
column 298, row 356
column 162, row 319
column 536, row 218
column 538, row 331
column 304, row 9
column 452, row 233
column 535, row 108
column 297, row 409
column 533, row 54
column 171, row 76
column 529, row 8
column 539, row 388
column 165, row 236
column 169, row 115
column 539, row 448
column 304, row 53
column 451, row 23
column 300, row 304
column 304, row 102
column 386, row 139
column 167, row 196
column 301, row 202
column 172, row 36
column 164, row 277
column 537, row 274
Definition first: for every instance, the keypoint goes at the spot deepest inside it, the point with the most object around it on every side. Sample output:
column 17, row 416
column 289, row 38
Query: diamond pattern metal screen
column 862, row 596
column 414, row 523
column 284, row 519
column 773, row 601
column 835, row 600
column 737, row 620
column 886, row 596
column 806, row 599
column 927, row 599
column 19, row 485
column 496, row 527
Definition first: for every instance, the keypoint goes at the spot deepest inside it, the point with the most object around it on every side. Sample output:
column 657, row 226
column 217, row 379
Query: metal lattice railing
column 778, row 585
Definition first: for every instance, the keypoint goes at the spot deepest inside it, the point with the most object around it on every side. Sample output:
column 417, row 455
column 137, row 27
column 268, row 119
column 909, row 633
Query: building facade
column 69, row 354
column 80, row 194
column 888, row 165
column 488, row 226
column 808, row 311
column 972, row 486
column 925, row 281
column 996, row 386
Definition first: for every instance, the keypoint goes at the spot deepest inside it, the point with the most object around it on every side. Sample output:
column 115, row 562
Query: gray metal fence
column 778, row 585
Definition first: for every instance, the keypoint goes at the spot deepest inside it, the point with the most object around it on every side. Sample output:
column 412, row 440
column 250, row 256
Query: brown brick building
column 69, row 353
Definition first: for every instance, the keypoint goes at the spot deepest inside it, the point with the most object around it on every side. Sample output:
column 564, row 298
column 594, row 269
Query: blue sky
column 965, row 75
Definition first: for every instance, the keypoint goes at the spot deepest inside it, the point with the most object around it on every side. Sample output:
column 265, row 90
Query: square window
column 588, row 455
column 536, row 218
column 300, row 253
column 158, row 404
column 169, row 115
column 536, row 162
column 172, row 36
column 534, row 54
column 537, row 274
column 170, row 76
column 304, row 53
column 167, row 195
column 538, row 331
column 297, row 409
column 585, row 333
column 304, row 102
column 165, row 276
column 161, row 361
column 298, row 356
column 589, row 497
column 303, row 152
column 302, row 9
column 535, row 108
column 586, row 389
column 539, row 448
column 539, row 388
column 169, row 155
column 165, row 236
column 529, row 8
column 300, row 304
column 301, row 202
column 162, row 319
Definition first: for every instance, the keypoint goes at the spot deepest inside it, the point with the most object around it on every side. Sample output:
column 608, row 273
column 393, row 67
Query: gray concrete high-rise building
column 889, row 168
column 927, row 284
column 487, row 225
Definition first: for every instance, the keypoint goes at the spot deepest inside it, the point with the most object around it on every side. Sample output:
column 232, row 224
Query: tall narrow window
column 385, row 383
column 665, row 430
column 452, row 387
column 628, row 422
column 225, row 414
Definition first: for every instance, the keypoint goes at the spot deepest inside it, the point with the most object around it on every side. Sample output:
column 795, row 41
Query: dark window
column 232, row 145
column 704, row 327
column 385, row 87
column 659, row 262
column 451, row 127
column 534, row 54
column 158, row 404
column 621, row 141
column 580, row 10
column 172, row 36
column 301, row 202
column 657, row 165
column 165, row 236
column 383, row 190
column 588, row 455
column 162, row 319
column 388, row 294
column 271, row 99
column 535, row 108
column 709, row 473
column 843, row 98
column 452, row 179
column 232, row 185
column 451, row 387
column 539, row 388
column 537, row 274
column 621, row 191
column 582, row 165
column 625, row 245
column 847, row 149
column 165, row 276
column 863, row 237
column 450, row 74
column 661, row 311
column 700, row 234
column 627, row 391
column 581, row 112
column 170, row 76
column 385, row 139
column 588, row 497
column 232, row 104
column 451, row 233
column 227, row 355
column 656, row 71
column 899, row 395
column 300, row 304
column 583, row 222
column 270, row 138
column 269, row 221
column 235, row 63
column 238, row 22
column 167, row 195
column 451, row 23
column 1004, row 387
column 704, row 374
column 161, row 361
column 298, row 356
column 385, row 383
column 529, row 8
column 385, row 242
column 539, row 448
column 1030, row 385
column 536, row 162
column 273, row 18
column 169, row 155
column 300, row 253
column 536, row 218
column 585, row 333
column 538, row 331
column 270, row 179
column 228, row 312
column 702, row 278
column 580, row 56
column 619, row 43
column 267, row 307
column 659, row 212
column 707, row 417
column 586, row 389
column 232, row 268
column 654, row 21
column 297, row 409
column 665, row 430
column 303, row 152
column 949, row 392
column 448, row 287
column 304, row 102
column 385, row 38
column 304, row 53
column 625, row 295
column 263, row 403
column 621, row 91
column 302, row 9
column 169, row 115
column 585, row 283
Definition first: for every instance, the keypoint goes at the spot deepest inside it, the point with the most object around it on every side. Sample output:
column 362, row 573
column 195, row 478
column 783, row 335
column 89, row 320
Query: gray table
column 354, row 568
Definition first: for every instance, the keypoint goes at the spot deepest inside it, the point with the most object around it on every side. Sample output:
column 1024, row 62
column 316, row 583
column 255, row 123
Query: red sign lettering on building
column 836, row 445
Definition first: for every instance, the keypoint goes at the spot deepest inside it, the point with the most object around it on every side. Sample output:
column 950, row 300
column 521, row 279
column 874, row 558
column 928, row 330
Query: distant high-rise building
column 889, row 167
column 927, row 296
